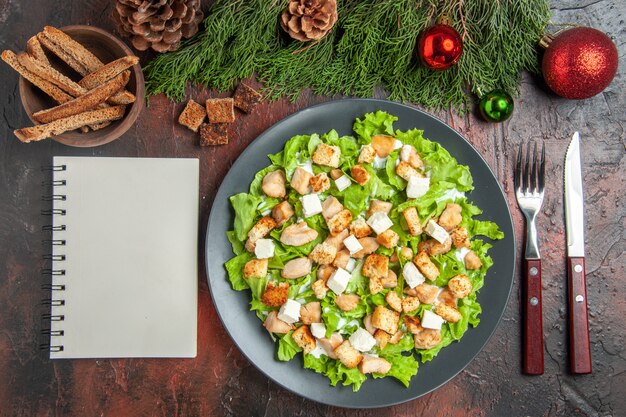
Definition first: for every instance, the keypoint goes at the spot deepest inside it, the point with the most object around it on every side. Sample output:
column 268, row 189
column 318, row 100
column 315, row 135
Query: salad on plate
column 360, row 251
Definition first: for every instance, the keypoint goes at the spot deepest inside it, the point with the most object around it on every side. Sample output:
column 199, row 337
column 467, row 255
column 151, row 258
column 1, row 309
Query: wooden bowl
column 107, row 48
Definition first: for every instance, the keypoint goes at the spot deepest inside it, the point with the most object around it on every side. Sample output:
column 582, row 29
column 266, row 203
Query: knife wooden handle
column 579, row 348
column 533, row 319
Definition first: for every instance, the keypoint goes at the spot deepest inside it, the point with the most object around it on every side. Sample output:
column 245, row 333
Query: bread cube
column 339, row 222
column 192, row 116
column 383, row 145
column 360, row 174
column 323, row 253
column 275, row 295
column 460, row 286
column 220, row 110
column 303, row 338
column 388, row 239
column 460, row 237
column 427, row 293
column 320, row 183
column 426, row 266
column 367, row 154
column 359, row 228
column 412, row 221
column 385, row 319
column 410, row 155
column 319, row 289
column 406, row 171
column 375, row 266
column 213, row 134
column 347, row 355
column 259, row 231
column 327, row 155
column 375, row 285
column 255, row 268
column 382, row 338
column 412, row 324
column 448, row 313
column 246, row 98
column 450, row 217
column 433, row 247
column 410, row 304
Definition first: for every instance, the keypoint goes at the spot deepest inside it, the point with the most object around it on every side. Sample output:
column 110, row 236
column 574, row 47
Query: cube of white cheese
column 397, row 144
column 352, row 244
column 351, row 264
column 436, row 232
column 417, row 186
column 412, row 276
column 338, row 281
column 379, row 163
column 343, row 182
column 362, row 340
column 264, row 248
column 318, row 330
column 311, row 205
column 379, row 222
column 431, row 320
column 289, row 312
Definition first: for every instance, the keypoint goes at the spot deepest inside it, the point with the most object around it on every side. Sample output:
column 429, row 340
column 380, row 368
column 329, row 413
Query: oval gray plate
column 245, row 328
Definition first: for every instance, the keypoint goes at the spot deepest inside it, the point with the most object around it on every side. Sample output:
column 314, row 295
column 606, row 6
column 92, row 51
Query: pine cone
column 157, row 24
column 307, row 20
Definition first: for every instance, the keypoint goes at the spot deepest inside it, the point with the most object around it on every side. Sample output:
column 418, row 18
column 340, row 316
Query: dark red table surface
column 220, row 381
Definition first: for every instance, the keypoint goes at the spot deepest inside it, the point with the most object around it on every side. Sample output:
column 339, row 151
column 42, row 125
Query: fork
column 529, row 186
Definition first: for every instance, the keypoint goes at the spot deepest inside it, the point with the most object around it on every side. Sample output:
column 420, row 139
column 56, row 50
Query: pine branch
column 372, row 44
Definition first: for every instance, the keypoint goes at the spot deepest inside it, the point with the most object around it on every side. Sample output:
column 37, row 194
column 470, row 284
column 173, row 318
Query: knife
column 579, row 349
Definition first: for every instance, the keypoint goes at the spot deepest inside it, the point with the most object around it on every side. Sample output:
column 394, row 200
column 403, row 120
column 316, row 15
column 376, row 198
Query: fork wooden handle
column 579, row 348
column 533, row 318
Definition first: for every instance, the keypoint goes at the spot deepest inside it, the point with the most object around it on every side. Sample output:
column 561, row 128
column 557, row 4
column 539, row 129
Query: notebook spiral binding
column 53, row 288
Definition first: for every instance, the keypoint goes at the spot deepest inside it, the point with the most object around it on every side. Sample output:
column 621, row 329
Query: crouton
column 367, row 155
column 406, row 171
column 410, row 155
column 330, row 344
column 347, row 302
column 323, row 253
column 433, row 247
column 213, row 134
column 448, row 313
column 394, row 301
column 383, row 145
column 450, row 217
column 275, row 295
column 337, row 241
column 359, row 228
column 375, row 285
column 390, row 281
column 360, row 174
column 369, row 245
column 379, row 206
column 339, row 222
column 246, row 98
column 319, row 289
column 396, row 337
column 382, row 338
column 410, row 304
column 327, row 155
column 388, row 239
column 259, row 231
column 330, row 207
column 281, row 213
column 192, row 116
column 303, row 338
column 300, row 181
column 375, row 266
column 426, row 293
column 325, row 271
column 412, row 221
column 311, row 312
column 298, row 234
column 275, row 325
column 220, row 110
column 447, row 297
column 460, row 286
column 374, row 364
column 348, row 355
column 274, row 184
column 255, row 268
column 472, row 261
column 412, row 324
column 426, row 266
column 341, row 259
column 385, row 319
column 297, row 268
column 427, row 339
column 320, row 183
column 460, row 237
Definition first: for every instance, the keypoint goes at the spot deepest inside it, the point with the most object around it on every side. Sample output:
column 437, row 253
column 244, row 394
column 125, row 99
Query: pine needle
column 373, row 44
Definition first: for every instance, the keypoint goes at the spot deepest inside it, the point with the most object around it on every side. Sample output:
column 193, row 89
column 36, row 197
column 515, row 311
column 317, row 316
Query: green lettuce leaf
column 337, row 372
column 245, row 212
column 234, row 267
column 287, row 347
column 379, row 123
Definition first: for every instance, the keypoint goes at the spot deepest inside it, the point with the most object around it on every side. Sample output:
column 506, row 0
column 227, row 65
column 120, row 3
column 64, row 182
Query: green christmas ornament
column 496, row 106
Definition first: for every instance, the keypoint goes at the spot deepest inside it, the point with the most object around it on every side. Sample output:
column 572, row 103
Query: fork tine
column 517, row 177
column 534, row 169
column 542, row 168
column 526, row 174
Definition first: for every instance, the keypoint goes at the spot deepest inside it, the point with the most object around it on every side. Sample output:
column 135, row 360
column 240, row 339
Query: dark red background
column 220, row 381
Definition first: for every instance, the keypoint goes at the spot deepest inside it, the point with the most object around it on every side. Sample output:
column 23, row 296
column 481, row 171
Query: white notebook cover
column 131, row 244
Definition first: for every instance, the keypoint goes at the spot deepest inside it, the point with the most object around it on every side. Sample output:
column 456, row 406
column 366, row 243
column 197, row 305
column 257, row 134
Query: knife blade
column 579, row 346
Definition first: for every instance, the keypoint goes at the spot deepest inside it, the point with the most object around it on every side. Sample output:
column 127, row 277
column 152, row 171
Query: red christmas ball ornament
column 578, row 63
column 440, row 46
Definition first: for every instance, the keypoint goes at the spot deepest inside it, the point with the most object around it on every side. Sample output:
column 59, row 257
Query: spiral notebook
column 124, row 257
